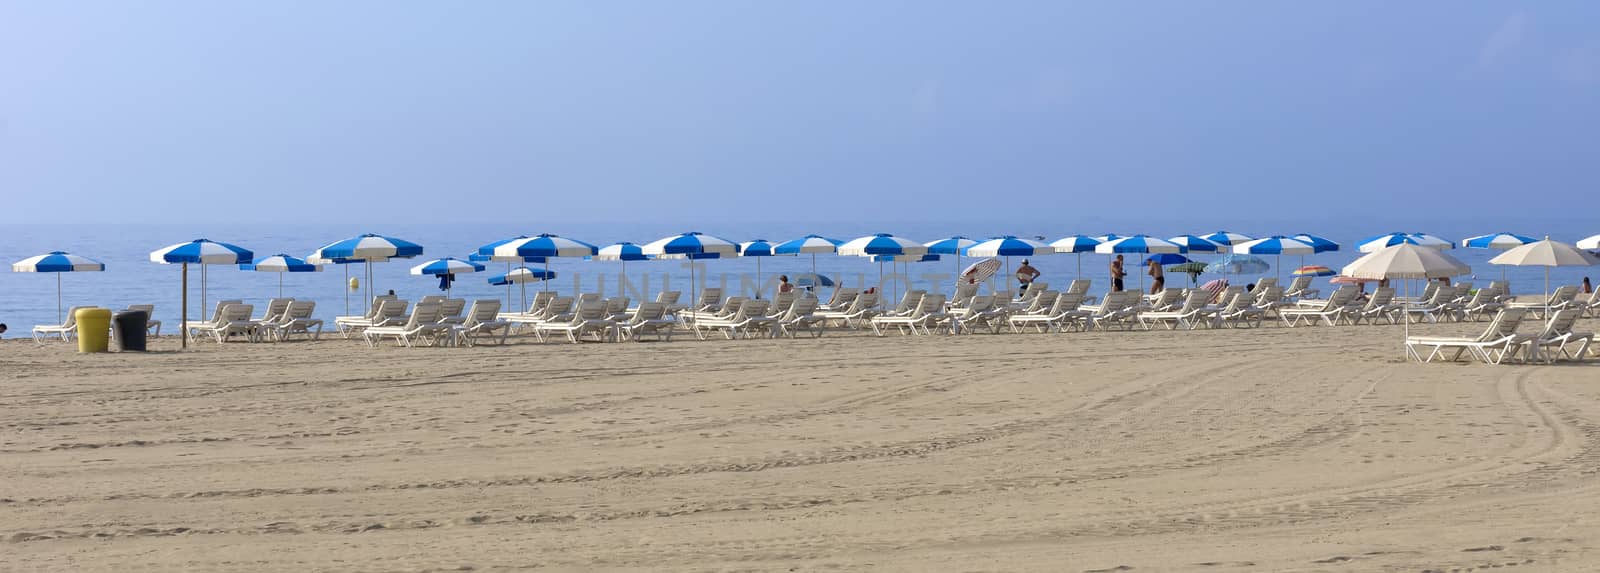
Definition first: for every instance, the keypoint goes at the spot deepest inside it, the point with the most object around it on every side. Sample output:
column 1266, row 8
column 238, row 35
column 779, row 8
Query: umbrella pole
column 280, row 285
column 59, row 320
column 759, row 286
column 183, row 320
column 508, row 284
column 621, row 278
column 203, row 288
column 1405, row 317
column 547, row 273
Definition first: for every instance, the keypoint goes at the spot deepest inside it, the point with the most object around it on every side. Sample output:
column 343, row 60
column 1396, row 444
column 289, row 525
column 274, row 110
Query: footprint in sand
column 1484, row 548
column 1108, row 570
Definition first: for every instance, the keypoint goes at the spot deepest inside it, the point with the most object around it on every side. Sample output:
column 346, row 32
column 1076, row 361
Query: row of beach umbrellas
column 883, row 247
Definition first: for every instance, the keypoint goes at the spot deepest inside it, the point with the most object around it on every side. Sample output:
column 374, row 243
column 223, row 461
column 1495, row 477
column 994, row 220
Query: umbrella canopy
column 923, row 258
column 1075, row 244
column 1137, row 244
column 202, row 251
column 1545, row 253
column 1344, row 280
column 446, row 266
column 486, row 253
column 980, row 271
column 808, row 245
column 757, row 248
column 1215, row 287
column 281, row 263
column 1499, row 241
column 521, row 275
column 813, row 280
column 57, row 262
column 544, row 245
column 1009, row 246
column 1591, row 243
column 1239, row 265
column 1193, row 244
column 1106, row 237
column 1194, row 267
column 691, row 243
column 1313, row 271
column 957, row 245
column 1226, row 238
column 1167, row 259
column 1406, row 261
column 367, row 247
column 1374, row 244
column 1320, row 244
column 482, row 258
column 623, row 251
column 1275, row 245
column 881, row 244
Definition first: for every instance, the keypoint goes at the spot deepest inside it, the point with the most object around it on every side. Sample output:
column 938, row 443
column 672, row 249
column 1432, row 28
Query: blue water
column 130, row 278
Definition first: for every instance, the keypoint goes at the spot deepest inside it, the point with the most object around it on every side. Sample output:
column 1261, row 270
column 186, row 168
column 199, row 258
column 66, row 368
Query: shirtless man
column 1158, row 277
column 1116, row 274
column 1025, row 276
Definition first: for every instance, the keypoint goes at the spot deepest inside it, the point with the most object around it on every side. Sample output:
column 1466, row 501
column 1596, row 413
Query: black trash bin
column 131, row 327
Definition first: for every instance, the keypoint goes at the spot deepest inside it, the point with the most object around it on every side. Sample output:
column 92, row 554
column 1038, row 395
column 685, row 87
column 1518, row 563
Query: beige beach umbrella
column 1406, row 261
column 1546, row 253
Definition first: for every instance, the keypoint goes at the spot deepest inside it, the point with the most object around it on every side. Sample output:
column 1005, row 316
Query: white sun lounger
column 1190, row 314
column 650, row 319
column 296, row 319
column 589, row 319
column 1497, row 343
column 422, row 326
column 482, row 321
column 928, row 311
column 66, row 330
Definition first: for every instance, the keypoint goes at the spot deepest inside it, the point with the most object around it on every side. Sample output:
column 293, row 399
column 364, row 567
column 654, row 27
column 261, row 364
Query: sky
column 694, row 111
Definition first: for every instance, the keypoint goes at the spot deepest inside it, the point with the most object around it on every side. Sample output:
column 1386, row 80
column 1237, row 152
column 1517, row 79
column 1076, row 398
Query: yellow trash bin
column 94, row 329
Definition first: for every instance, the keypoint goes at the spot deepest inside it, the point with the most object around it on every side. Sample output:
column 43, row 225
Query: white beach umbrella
column 1545, row 253
column 1406, row 261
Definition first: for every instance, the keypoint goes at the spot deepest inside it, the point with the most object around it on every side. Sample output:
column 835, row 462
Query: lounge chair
column 974, row 314
column 482, row 321
column 801, row 316
column 781, row 301
column 1497, row 343
column 1081, row 287
column 1033, row 290
column 274, row 309
column 1269, row 301
column 1486, row 300
column 588, row 319
column 908, row 303
column 297, row 318
column 1239, row 312
column 927, row 312
column 1558, row 334
column 1380, row 305
column 751, row 315
column 388, row 313
column 1113, row 310
column 66, row 330
column 451, row 309
column 1441, row 306
column 963, row 295
column 422, row 326
column 540, row 299
column 650, row 318
column 1300, row 287
column 710, row 299
column 860, row 311
column 1329, row 312
column 235, row 319
column 1588, row 304
column 842, row 298
column 617, row 307
column 1188, row 315
column 1165, row 300
column 1063, row 310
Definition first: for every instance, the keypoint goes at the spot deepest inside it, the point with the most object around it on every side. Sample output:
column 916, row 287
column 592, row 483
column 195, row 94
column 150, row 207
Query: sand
column 1311, row 449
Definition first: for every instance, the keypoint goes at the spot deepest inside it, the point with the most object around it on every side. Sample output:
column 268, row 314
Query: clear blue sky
column 661, row 110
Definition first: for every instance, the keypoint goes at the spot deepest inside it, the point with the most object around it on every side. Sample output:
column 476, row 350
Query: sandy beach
column 1312, row 449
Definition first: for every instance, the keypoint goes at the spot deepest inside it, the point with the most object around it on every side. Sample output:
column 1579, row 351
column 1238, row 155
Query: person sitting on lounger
column 783, row 284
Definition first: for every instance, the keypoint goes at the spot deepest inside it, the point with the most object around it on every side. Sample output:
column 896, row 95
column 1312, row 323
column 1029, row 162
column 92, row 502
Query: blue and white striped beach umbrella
column 881, row 244
column 486, row 254
column 809, row 245
column 1322, row 245
column 446, row 269
column 368, row 247
column 1106, row 237
column 1009, row 246
column 202, row 252
column 956, row 245
column 57, row 262
column 692, row 245
column 545, row 245
column 1278, row 245
column 757, row 248
column 521, row 276
column 905, row 258
column 1077, row 245
column 281, row 263
column 1137, row 244
column 1193, row 244
column 1380, row 242
column 1226, row 238
column 1498, row 241
column 623, row 251
column 1274, row 245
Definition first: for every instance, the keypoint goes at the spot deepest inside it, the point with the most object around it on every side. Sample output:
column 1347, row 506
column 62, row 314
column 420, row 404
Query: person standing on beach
column 1158, row 278
column 1116, row 274
column 1025, row 276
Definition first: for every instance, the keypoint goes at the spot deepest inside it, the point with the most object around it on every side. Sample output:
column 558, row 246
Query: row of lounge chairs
column 1502, row 341
column 68, row 329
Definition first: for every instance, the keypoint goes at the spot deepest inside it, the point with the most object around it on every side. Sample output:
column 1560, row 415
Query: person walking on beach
column 1158, row 278
column 1116, row 274
column 1025, row 276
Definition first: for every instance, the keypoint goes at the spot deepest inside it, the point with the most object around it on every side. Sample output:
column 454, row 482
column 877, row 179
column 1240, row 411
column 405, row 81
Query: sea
column 27, row 299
